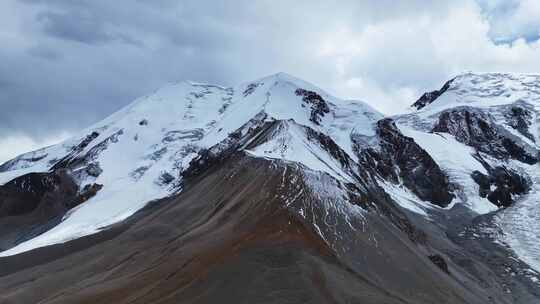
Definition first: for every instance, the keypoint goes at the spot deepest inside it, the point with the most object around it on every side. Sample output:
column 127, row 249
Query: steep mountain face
column 430, row 97
column 147, row 146
column 276, row 192
column 412, row 165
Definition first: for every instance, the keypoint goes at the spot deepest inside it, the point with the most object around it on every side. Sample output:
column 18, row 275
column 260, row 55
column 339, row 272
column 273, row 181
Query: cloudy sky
column 65, row 64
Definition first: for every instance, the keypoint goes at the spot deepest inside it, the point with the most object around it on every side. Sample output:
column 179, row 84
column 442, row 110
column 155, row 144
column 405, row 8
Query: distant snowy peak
column 511, row 101
column 483, row 129
column 482, row 90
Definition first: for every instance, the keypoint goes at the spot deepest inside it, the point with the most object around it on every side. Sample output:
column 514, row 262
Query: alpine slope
column 274, row 191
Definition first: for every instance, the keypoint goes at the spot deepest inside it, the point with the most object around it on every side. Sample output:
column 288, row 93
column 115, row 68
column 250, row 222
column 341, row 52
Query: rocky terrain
column 274, row 191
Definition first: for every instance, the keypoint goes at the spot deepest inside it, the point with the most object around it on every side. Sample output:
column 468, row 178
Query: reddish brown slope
column 229, row 238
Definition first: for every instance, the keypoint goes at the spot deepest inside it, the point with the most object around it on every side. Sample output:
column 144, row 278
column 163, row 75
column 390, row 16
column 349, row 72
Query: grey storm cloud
column 65, row 64
column 74, row 26
column 80, row 27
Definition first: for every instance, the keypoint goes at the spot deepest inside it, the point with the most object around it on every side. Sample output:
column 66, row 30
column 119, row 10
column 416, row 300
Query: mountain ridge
column 361, row 185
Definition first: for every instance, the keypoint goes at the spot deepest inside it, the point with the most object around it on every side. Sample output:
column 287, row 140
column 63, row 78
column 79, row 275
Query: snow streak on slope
column 290, row 142
column 405, row 198
column 457, row 161
column 143, row 148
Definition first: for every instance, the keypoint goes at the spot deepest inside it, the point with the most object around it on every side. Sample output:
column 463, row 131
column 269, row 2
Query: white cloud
column 13, row 146
column 390, row 63
column 513, row 19
column 385, row 52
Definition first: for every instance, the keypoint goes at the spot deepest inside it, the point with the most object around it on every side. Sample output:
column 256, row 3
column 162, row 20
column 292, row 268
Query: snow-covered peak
column 483, row 90
column 139, row 153
column 284, row 78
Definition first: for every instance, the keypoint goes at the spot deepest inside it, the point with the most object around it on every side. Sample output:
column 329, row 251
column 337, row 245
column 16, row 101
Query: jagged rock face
column 440, row 262
column 33, row 203
column 476, row 129
column 520, row 118
column 414, row 166
column 24, row 194
column 501, row 185
column 429, row 97
column 318, row 105
column 78, row 157
column 253, row 130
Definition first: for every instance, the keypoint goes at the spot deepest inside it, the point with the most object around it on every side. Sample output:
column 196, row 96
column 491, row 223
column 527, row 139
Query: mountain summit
column 274, row 191
column 148, row 145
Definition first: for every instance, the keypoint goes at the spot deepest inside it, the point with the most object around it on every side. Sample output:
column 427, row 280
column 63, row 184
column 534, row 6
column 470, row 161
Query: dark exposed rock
column 484, row 181
column 520, row 118
column 439, row 261
column 24, row 194
column 501, row 196
column 85, row 194
column 331, row 147
column 86, row 141
column 468, row 126
column 402, row 156
column 429, row 97
column 77, row 159
column 501, row 185
column 165, row 178
column 143, row 122
column 218, row 153
column 204, row 160
column 477, row 129
column 36, row 202
column 251, row 88
column 374, row 160
column 318, row 105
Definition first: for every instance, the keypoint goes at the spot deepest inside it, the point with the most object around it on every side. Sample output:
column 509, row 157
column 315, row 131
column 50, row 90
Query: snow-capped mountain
column 147, row 145
column 193, row 183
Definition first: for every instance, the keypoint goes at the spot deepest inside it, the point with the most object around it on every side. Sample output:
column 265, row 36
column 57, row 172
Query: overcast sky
column 65, row 64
